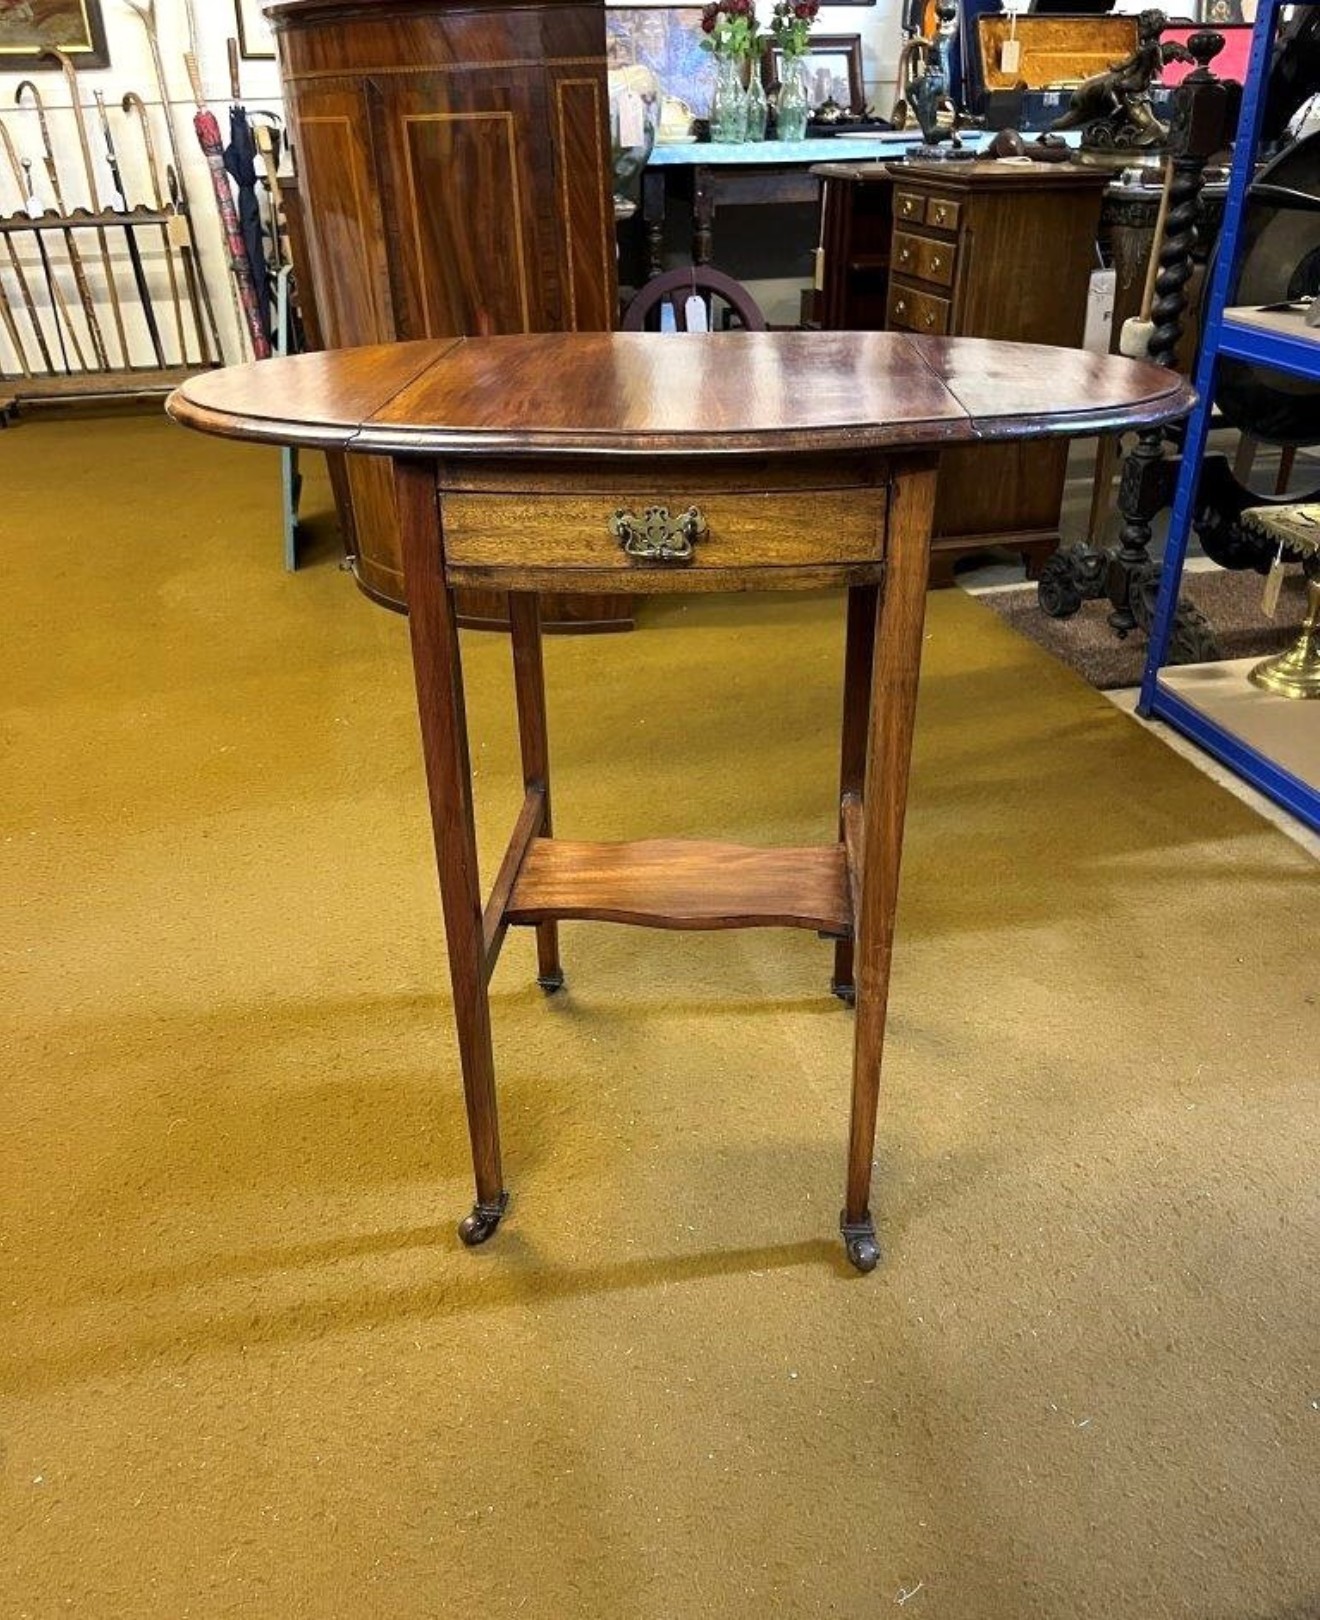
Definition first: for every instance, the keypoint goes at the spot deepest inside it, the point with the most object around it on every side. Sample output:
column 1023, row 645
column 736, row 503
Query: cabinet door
column 466, row 180
column 584, row 218
column 345, row 235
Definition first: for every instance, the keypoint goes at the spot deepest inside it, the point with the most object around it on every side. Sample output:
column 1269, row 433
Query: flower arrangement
column 790, row 24
column 729, row 28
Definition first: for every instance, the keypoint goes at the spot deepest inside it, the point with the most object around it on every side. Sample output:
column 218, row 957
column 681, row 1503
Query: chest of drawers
column 970, row 249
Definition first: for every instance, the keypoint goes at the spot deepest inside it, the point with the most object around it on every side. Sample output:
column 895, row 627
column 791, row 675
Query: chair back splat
column 665, row 303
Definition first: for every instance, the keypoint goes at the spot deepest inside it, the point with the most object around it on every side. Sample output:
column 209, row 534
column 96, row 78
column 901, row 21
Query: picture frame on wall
column 834, row 70
column 29, row 27
column 256, row 41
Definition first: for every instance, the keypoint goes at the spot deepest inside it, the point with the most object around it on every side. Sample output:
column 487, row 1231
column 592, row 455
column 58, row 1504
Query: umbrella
column 241, row 164
column 208, row 135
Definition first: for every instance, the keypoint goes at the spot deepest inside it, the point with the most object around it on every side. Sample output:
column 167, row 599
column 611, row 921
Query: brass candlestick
column 1295, row 673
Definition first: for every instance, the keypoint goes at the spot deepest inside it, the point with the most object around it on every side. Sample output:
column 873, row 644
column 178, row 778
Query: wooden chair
column 718, row 292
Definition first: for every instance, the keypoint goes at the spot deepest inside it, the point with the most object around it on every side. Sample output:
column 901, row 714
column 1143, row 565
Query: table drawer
column 911, row 310
column 924, row 257
column 942, row 213
column 506, row 534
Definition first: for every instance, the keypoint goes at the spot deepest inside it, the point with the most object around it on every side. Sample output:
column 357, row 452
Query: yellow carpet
column 245, row 1367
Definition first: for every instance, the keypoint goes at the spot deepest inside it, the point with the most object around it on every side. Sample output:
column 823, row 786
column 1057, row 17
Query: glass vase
column 793, row 106
column 728, row 106
column 758, row 107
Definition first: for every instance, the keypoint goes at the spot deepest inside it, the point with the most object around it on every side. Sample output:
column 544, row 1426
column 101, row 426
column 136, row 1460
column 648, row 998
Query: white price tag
column 632, row 122
column 695, row 314
column 1010, row 55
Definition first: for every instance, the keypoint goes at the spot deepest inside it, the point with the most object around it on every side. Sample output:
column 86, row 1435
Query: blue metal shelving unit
column 1235, row 335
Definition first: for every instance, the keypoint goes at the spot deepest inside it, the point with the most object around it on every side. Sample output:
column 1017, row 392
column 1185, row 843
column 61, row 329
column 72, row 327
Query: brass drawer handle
column 936, row 262
column 656, row 537
column 930, row 318
column 900, row 308
column 941, row 214
column 905, row 256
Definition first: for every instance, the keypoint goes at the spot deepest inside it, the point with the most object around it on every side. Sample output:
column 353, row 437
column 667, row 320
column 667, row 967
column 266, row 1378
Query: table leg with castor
column 438, row 669
column 891, row 714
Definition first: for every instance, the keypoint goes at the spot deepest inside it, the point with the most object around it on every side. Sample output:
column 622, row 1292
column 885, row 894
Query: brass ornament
column 1295, row 673
column 657, row 537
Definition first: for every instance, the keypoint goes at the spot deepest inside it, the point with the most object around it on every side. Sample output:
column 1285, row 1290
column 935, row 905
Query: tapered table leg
column 899, row 621
column 529, row 684
column 439, row 675
column 858, row 666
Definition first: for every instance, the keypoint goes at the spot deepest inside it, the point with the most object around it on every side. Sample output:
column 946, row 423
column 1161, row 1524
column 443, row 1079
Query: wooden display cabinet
column 454, row 165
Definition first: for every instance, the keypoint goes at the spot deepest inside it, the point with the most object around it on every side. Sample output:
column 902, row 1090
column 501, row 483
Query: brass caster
column 550, row 982
column 475, row 1228
column 860, row 1242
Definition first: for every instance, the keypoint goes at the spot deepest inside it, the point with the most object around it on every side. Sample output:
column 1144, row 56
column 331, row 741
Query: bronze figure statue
column 931, row 95
column 1113, row 110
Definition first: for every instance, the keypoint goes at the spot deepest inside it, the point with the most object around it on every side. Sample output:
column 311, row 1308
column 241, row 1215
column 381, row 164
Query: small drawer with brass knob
column 910, row 207
column 909, row 309
column 924, row 258
column 942, row 213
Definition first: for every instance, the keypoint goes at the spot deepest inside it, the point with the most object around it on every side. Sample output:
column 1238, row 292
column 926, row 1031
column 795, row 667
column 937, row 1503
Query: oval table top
column 645, row 393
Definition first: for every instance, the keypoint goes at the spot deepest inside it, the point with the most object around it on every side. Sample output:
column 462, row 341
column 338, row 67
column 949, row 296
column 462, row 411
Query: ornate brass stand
column 1295, row 673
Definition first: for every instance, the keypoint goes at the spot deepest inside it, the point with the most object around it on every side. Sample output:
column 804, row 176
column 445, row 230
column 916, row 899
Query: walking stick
column 134, row 251
column 245, row 290
column 29, row 303
column 12, row 331
column 71, row 246
column 192, row 264
column 266, row 136
column 94, row 196
column 191, row 268
column 133, row 103
column 15, row 337
column 58, row 301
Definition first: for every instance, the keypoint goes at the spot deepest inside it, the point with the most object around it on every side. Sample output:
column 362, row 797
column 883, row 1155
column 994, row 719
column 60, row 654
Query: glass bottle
column 794, row 101
column 728, row 107
column 758, row 108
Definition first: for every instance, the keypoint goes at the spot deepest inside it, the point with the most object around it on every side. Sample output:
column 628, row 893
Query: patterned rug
column 1232, row 602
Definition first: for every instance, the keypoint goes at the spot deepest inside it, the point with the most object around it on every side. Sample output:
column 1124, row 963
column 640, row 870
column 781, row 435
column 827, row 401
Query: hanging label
column 632, row 121
column 34, row 208
column 177, row 230
column 696, row 317
column 1274, row 584
column 1010, row 55
column 818, row 269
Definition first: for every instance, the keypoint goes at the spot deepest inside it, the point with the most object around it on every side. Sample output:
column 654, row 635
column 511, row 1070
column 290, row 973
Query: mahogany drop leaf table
column 642, row 463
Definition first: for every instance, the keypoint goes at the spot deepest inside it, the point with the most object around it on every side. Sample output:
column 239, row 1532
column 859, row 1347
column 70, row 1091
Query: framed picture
column 834, row 70
column 256, row 42
column 666, row 39
column 29, row 27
